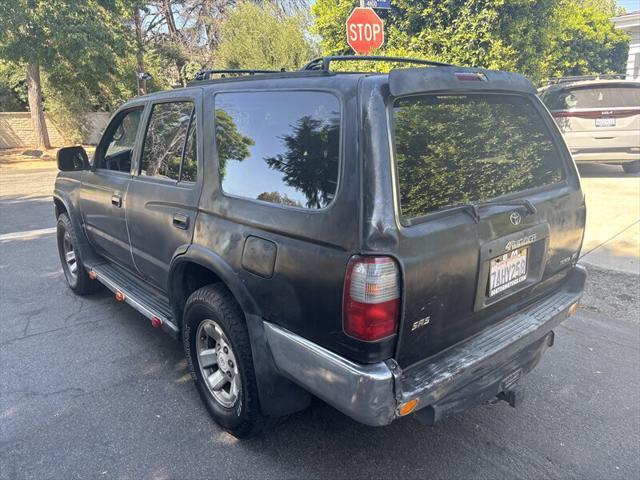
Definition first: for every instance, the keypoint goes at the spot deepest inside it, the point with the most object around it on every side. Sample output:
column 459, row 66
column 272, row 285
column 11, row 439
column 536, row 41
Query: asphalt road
column 89, row 390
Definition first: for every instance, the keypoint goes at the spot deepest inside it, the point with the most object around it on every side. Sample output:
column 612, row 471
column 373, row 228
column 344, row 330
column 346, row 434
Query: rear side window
column 279, row 147
column 592, row 97
column 165, row 139
column 457, row 149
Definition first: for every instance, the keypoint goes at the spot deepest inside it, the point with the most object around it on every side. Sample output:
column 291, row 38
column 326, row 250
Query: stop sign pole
column 365, row 30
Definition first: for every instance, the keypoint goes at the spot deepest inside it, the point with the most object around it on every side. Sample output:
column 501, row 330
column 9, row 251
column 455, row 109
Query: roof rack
column 322, row 63
column 579, row 78
column 206, row 74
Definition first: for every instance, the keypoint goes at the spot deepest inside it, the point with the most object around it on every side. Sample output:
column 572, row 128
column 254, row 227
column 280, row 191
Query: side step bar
column 131, row 290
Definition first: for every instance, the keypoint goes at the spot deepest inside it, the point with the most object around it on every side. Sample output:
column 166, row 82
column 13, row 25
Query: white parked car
column 599, row 118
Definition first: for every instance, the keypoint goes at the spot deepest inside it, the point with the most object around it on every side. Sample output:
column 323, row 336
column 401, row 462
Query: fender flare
column 214, row 262
column 86, row 250
column 278, row 395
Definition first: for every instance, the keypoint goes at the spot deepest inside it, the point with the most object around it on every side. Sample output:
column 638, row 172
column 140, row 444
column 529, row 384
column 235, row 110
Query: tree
column 276, row 197
column 230, row 143
column 515, row 35
column 310, row 162
column 586, row 41
column 262, row 37
column 74, row 41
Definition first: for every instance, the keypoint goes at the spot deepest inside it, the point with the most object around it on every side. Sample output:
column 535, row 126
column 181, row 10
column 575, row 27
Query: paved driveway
column 89, row 390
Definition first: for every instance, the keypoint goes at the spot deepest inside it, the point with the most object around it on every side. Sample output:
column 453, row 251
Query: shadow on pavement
column 596, row 170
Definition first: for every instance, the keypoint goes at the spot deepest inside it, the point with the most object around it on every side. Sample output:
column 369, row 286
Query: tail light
column 371, row 302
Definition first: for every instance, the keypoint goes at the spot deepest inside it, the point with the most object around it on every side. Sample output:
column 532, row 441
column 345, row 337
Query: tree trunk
column 174, row 34
column 142, row 84
column 168, row 15
column 35, row 106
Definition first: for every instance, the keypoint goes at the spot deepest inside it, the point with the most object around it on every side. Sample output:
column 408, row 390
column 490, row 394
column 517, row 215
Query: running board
column 133, row 290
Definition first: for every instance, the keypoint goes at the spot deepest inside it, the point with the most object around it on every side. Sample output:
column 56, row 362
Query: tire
column 631, row 167
column 74, row 270
column 214, row 321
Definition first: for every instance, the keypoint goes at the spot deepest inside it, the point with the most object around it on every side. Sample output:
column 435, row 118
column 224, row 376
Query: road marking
column 27, row 234
column 25, row 200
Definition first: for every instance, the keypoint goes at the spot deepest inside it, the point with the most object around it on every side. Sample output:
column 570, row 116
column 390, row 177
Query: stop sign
column 365, row 30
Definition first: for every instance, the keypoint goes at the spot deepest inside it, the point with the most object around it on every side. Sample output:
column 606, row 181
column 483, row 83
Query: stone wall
column 16, row 130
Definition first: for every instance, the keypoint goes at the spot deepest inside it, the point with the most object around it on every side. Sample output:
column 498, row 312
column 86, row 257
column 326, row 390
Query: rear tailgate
column 462, row 138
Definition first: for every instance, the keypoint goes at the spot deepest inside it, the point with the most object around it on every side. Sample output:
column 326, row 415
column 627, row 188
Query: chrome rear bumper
column 372, row 394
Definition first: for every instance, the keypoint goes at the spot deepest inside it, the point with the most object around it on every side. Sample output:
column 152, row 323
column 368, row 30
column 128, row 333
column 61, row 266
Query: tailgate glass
column 596, row 97
column 457, row 149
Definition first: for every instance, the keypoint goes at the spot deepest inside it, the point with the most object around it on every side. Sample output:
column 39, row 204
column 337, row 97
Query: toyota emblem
column 515, row 218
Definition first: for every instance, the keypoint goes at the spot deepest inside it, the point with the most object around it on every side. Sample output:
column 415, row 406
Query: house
column 631, row 24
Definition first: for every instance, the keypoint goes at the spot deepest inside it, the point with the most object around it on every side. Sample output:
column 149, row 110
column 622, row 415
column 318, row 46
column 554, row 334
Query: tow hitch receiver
column 513, row 396
column 511, row 392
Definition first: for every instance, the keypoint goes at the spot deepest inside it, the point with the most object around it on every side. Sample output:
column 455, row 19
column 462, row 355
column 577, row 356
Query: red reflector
column 156, row 322
column 471, row 77
column 371, row 303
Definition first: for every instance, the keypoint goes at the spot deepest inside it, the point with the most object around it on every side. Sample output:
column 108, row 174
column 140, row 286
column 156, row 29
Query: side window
column 189, row 172
column 118, row 149
column 279, row 147
column 165, row 139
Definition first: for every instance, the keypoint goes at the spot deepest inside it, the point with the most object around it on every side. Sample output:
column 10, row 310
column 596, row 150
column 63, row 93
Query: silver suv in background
column 599, row 118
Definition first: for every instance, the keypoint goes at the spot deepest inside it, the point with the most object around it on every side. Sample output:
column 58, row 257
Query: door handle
column 181, row 220
column 116, row 200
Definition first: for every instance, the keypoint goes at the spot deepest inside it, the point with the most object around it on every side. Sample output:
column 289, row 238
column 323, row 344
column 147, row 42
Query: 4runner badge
column 513, row 244
column 420, row 323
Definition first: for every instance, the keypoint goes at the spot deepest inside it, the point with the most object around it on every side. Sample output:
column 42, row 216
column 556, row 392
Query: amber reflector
column 407, row 408
column 120, row 296
column 573, row 309
column 93, row 275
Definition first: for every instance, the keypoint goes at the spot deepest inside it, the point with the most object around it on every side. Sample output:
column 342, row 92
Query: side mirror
column 72, row 159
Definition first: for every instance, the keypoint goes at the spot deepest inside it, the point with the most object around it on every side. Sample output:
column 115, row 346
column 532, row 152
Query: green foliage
column 75, row 41
column 13, row 91
column 455, row 150
column 309, row 163
column 586, row 41
column 230, row 143
column 162, row 153
column 190, row 69
column 261, row 37
column 528, row 36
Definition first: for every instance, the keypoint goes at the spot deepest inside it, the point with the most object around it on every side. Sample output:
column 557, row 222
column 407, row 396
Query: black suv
column 390, row 243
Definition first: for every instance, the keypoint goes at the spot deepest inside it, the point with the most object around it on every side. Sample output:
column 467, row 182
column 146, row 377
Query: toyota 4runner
column 392, row 243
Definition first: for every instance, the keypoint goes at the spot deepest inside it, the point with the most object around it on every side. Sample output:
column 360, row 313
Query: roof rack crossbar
column 578, row 78
column 206, row 74
column 322, row 63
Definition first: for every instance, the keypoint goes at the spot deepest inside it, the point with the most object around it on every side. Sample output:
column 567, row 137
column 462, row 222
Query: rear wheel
column 71, row 259
column 631, row 167
column 217, row 347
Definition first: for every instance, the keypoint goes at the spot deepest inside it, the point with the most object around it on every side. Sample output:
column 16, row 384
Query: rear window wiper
column 474, row 208
column 520, row 202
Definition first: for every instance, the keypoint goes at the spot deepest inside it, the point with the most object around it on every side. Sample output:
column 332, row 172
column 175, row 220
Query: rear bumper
column 460, row 376
column 604, row 156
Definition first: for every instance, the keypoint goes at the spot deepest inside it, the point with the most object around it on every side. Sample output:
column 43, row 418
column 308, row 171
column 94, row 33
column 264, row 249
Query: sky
column 630, row 5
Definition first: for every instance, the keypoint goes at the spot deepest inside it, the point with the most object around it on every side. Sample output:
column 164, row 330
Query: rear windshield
column 592, row 97
column 457, row 149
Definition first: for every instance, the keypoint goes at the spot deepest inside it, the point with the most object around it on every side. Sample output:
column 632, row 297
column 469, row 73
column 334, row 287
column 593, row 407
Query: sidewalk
column 612, row 237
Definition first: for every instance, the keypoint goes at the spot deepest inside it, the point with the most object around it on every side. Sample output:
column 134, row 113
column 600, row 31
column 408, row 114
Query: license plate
column 508, row 270
column 605, row 122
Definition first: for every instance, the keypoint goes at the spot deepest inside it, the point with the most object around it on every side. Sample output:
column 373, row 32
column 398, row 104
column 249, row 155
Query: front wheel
column 631, row 167
column 218, row 351
column 71, row 259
